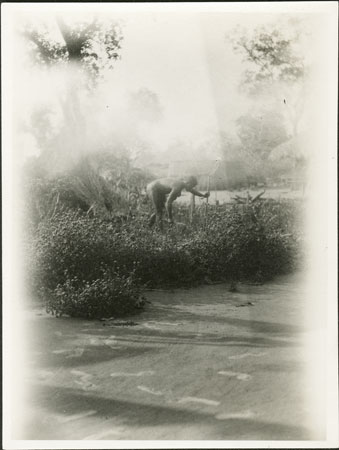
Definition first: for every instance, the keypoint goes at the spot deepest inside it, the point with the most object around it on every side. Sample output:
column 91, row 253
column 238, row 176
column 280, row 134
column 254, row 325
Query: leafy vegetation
column 107, row 296
column 100, row 184
column 94, row 266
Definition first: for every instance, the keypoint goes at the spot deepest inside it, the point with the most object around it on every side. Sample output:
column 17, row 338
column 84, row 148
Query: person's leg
column 160, row 205
column 158, row 200
column 151, row 194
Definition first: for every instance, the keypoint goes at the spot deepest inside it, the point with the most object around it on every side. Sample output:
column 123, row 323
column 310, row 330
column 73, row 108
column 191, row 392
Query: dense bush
column 71, row 245
column 110, row 295
column 83, row 265
column 258, row 241
column 71, row 265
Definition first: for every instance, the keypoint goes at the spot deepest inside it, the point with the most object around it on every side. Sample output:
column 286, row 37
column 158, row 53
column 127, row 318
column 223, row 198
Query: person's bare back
column 166, row 185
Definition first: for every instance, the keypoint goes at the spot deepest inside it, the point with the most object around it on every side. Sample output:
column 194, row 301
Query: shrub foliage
column 93, row 267
column 107, row 296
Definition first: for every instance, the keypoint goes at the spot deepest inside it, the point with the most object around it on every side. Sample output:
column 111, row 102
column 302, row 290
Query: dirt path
column 199, row 364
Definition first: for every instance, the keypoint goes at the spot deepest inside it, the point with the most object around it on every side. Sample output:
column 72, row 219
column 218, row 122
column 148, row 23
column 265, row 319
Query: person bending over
column 164, row 191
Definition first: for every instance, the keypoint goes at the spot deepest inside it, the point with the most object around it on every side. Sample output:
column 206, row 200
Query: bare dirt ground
column 202, row 363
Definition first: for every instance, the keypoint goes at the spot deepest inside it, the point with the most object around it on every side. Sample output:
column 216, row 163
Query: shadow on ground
column 129, row 413
column 242, row 368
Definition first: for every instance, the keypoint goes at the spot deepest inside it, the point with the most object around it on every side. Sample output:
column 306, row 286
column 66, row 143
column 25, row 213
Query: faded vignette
column 321, row 226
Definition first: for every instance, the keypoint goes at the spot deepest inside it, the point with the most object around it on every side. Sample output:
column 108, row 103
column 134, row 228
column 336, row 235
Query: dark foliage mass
column 93, row 267
column 110, row 295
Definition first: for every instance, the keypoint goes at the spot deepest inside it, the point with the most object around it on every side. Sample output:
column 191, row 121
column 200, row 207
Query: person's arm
column 199, row 194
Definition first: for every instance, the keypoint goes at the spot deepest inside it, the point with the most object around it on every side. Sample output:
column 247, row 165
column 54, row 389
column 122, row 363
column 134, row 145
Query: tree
column 276, row 69
column 272, row 59
column 92, row 45
column 84, row 50
column 259, row 132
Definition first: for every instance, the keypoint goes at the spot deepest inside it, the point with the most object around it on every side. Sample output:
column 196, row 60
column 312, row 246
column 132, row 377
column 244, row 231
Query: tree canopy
column 272, row 57
column 93, row 44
